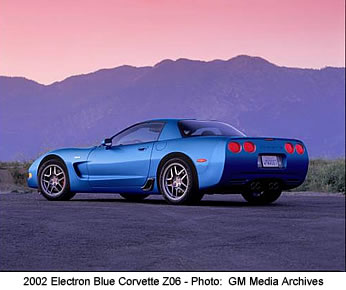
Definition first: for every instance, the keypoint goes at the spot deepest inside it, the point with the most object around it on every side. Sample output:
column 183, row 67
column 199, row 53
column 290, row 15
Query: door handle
column 142, row 148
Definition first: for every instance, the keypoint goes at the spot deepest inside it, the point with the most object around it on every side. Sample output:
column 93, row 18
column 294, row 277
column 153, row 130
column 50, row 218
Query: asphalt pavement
column 103, row 232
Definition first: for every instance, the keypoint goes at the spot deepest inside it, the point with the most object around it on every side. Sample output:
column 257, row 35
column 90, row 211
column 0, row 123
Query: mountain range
column 256, row 96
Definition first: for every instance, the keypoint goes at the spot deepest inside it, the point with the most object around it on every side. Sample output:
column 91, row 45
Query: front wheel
column 261, row 197
column 53, row 180
column 177, row 183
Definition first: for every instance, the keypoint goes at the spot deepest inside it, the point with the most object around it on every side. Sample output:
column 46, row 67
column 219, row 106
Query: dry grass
column 18, row 171
column 325, row 176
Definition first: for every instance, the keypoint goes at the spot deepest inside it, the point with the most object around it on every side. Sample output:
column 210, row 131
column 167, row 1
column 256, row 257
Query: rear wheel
column 177, row 183
column 53, row 180
column 134, row 197
column 261, row 197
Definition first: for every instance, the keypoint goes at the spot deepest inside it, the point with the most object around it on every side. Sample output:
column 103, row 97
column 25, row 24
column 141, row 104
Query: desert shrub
column 18, row 170
column 325, row 175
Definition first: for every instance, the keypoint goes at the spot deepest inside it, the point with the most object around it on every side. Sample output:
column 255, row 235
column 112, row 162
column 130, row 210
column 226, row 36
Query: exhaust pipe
column 273, row 185
column 256, row 186
column 259, row 186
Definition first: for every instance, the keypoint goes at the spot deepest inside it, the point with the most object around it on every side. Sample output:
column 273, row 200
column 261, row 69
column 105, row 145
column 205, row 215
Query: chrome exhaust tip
column 256, row 186
column 273, row 185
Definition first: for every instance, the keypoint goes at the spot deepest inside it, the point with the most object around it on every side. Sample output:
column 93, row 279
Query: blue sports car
column 182, row 159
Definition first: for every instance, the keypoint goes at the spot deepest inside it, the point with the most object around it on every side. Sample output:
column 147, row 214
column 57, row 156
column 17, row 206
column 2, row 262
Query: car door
column 126, row 162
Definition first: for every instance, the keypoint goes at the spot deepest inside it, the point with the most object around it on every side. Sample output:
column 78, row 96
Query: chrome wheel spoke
column 171, row 175
column 180, row 172
column 48, row 188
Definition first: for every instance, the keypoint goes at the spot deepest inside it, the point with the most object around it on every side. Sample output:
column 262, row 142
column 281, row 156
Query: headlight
column 29, row 175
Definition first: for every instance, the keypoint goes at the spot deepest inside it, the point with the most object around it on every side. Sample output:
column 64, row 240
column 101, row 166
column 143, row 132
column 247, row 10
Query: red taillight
column 289, row 148
column 249, row 147
column 234, row 147
column 299, row 149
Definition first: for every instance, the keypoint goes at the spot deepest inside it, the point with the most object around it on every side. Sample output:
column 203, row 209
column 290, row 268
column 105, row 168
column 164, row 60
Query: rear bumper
column 243, row 168
column 238, row 185
column 238, row 173
column 287, row 181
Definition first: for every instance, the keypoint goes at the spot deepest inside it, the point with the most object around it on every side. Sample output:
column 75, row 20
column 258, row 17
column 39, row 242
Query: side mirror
column 107, row 142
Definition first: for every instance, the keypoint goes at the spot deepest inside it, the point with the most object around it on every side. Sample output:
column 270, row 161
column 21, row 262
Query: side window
column 141, row 133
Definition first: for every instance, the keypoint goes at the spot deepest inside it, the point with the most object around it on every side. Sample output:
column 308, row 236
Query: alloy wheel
column 175, row 181
column 53, row 180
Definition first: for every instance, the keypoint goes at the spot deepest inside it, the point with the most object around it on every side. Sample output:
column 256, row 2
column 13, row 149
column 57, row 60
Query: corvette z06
column 182, row 159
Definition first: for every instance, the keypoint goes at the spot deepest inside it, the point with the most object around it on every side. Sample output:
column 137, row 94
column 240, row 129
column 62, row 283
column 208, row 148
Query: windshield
column 191, row 128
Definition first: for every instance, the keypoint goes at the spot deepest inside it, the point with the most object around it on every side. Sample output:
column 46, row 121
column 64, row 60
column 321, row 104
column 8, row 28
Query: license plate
column 270, row 161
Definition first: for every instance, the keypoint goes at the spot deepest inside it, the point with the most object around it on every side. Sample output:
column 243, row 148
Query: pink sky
column 51, row 40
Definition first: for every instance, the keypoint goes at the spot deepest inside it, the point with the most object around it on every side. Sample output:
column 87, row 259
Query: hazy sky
column 47, row 40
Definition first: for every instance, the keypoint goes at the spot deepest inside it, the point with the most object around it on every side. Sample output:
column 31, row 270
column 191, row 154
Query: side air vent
column 149, row 184
column 76, row 169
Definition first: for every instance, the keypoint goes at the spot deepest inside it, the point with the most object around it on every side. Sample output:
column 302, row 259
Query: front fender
column 72, row 157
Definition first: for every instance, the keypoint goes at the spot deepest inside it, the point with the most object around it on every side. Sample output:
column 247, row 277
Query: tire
column 263, row 197
column 134, row 197
column 177, row 183
column 53, row 181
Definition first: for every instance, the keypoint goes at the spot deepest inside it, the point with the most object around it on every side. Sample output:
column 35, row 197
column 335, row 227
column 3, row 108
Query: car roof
column 175, row 120
column 169, row 120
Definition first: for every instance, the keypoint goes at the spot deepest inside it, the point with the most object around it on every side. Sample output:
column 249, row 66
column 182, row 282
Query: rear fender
column 208, row 149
